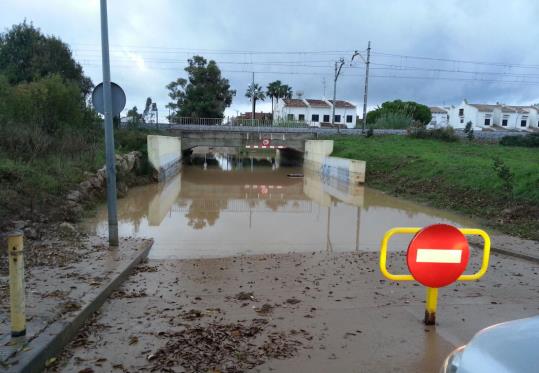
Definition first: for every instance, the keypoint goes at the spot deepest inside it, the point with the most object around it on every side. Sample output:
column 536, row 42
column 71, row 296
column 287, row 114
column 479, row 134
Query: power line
column 499, row 64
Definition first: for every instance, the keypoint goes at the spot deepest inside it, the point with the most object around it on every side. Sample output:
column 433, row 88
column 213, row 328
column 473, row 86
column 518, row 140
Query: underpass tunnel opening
column 231, row 158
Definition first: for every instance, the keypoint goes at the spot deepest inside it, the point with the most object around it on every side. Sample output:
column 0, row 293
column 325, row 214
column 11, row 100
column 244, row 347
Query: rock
column 67, row 229
column 74, row 196
column 85, row 187
column 102, row 173
column 31, row 233
column 73, row 211
column 130, row 158
column 96, row 182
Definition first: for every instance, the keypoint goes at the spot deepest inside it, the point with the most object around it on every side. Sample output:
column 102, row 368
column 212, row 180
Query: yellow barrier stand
column 16, row 284
column 432, row 293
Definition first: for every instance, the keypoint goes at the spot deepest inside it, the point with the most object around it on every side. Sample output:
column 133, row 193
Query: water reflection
column 229, row 207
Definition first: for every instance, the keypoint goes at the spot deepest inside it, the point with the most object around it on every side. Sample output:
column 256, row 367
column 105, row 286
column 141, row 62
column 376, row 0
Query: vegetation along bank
column 496, row 184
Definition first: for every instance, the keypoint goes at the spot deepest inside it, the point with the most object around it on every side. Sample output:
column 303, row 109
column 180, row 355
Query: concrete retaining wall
column 317, row 157
column 164, row 154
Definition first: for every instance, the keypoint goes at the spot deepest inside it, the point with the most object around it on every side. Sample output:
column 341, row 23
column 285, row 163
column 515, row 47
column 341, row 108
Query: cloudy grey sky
column 485, row 51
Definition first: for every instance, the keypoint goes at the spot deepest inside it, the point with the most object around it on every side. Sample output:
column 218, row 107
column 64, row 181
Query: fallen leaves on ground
column 227, row 348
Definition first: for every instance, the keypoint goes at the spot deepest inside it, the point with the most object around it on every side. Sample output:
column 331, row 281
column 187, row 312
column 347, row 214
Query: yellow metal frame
column 413, row 230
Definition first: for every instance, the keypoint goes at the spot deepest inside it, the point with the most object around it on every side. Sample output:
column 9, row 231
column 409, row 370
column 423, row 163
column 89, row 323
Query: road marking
column 438, row 256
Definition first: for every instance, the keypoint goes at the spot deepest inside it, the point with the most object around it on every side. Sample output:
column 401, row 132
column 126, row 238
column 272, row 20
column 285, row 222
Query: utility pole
column 109, row 132
column 366, row 87
column 367, row 63
column 338, row 67
column 253, row 100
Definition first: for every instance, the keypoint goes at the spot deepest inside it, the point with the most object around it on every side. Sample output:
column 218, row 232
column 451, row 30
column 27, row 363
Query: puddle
column 241, row 207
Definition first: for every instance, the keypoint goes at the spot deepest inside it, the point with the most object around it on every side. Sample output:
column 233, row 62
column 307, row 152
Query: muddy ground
column 316, row 312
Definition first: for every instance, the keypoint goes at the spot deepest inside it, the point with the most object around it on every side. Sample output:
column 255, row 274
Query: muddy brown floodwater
column 224, row 210
column 254, row 271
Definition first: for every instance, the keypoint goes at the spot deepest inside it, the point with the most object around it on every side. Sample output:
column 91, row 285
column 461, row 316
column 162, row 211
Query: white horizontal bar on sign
column 438, row 256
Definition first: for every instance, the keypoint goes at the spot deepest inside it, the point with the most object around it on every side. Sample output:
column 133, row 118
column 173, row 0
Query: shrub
column 370, row 132
column 444, row 134
column 393, row 120
column 43, row 116
column 468, row 130
column 505, row 174
column 530, row 141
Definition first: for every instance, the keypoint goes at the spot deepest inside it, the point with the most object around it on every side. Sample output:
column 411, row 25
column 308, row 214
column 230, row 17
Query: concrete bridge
column 251, row 137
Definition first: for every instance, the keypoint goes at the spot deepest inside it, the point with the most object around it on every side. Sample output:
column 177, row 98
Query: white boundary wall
column 317, row 156
column 164, row 153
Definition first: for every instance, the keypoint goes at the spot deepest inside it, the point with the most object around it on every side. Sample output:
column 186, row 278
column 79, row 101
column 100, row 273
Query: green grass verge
column 38, row 182
column 459, row 176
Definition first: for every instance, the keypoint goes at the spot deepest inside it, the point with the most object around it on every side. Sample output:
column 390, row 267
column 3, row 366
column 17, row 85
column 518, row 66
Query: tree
column 272, row 91
column 417, row 112
column 255, row 93
column 205, row 94
column 147, row 107
column 277, row 90
column 468, row 130
column 285, row 91
column 26, row 55
column 133, row 116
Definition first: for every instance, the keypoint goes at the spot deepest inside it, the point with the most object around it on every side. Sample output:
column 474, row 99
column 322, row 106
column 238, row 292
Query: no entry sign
column 438, row 255
column 265, row 143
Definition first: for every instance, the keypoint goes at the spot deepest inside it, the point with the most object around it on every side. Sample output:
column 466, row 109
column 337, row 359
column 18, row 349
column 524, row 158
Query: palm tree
column 255, row 93
column 273, row 92
column 285, row 91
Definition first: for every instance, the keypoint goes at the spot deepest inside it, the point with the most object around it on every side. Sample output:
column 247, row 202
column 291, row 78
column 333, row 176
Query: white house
column 439, row 117
column 485, row 116
column 315, row 112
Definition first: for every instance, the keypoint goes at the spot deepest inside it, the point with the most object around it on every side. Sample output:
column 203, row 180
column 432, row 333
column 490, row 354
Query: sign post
column 109, row 132
column 437, row 256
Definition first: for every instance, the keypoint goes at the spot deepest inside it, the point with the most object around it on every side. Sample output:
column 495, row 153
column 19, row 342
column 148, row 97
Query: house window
column 505, row 120
column 349, row 118
column 461, row 120
column 315, row 118
column 461, row 112
column 290, row 117
column 487, row 121
column 523, row 123
column 337, row 118
column 326, row 118
column 301, row 117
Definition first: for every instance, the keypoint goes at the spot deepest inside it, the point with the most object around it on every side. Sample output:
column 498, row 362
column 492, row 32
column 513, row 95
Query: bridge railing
column 238, row 122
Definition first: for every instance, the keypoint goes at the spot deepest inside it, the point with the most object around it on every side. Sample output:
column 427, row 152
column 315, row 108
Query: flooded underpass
column 252, row 206
column 255, row 270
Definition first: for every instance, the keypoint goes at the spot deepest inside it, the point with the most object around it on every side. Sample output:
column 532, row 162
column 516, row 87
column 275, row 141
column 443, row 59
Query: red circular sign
column 438, row 255
column 265, row 142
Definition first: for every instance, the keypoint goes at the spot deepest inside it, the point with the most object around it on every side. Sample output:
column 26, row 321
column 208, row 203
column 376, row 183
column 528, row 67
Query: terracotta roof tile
column 317, row 103
column 343, row 104
column 436, row 109
column 294, row 102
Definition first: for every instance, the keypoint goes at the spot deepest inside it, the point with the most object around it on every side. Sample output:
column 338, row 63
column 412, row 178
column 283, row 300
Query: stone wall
column 95, row 184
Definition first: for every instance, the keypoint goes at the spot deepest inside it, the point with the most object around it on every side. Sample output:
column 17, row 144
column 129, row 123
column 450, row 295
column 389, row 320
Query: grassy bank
column 29, row 184
column 461, row 176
